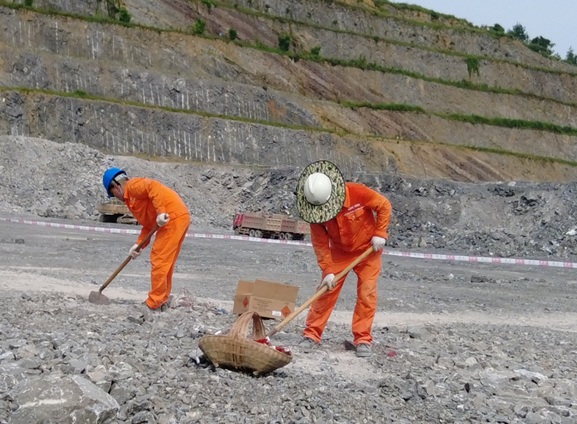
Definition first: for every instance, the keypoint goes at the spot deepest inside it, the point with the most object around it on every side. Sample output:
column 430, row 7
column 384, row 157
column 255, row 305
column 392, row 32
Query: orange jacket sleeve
column 320, row 242
column 381, row 205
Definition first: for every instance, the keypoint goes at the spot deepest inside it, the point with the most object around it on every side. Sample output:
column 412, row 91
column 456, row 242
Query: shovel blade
column 98, row 298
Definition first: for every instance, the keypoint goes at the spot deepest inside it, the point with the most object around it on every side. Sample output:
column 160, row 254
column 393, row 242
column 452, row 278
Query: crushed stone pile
column 65, row 181
column 51, row 179
column 61, row 357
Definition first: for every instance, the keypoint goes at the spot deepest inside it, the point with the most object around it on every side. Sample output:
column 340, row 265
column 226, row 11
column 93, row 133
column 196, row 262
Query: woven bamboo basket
column 235, row 350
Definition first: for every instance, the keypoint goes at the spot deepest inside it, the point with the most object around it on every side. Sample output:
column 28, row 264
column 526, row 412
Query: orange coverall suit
column 339, row 242
column 146, row 199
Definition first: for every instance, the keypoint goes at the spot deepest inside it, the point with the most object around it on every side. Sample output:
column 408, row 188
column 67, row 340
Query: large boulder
column 62, row 400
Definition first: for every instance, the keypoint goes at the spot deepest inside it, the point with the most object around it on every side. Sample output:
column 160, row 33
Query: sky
column 555, row 20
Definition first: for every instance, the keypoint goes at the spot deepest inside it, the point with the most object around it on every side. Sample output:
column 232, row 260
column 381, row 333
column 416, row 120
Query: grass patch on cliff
column 513, row 123
column 471, row 119
column 394, row 107
column 528, row 156
column 491, row 150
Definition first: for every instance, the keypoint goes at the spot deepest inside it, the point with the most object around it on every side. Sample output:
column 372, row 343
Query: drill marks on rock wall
column 123, row 129
column 99, row 45
column 23, row 70
column 16, row 131
column 69, row 75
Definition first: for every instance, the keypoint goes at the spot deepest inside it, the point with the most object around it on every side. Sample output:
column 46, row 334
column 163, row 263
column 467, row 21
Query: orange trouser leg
column 368, row 275
column 163, row 257
column 320, row 312
column 171, row 271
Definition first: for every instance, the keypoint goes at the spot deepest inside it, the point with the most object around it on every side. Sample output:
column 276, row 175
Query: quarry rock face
column 135, row 90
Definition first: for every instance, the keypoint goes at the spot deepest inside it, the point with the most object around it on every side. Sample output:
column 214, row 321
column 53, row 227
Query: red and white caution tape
column 137, row 232
column 71, row 227
column 484, row 259
column 432, row 256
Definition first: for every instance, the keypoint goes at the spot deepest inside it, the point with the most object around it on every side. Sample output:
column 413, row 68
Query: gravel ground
column 453, row 342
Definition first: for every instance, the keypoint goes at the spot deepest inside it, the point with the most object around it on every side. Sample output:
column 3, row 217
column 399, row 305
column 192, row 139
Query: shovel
column 319, row 293
column 97, row 297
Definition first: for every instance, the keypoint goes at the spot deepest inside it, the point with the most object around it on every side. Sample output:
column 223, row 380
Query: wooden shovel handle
column 319, row 293
column 128, row 258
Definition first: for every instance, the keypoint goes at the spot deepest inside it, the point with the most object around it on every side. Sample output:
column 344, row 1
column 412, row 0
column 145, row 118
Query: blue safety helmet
column 110, row 176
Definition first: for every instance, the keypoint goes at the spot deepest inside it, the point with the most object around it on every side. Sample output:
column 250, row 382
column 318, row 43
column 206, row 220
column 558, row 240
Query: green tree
column 542, row 45
column 519, row 32
column 232, row 34
column 497, row 29
column 473, row 65
column 571, row 57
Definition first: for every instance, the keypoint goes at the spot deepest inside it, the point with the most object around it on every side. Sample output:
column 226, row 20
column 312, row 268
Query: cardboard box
column 268, row 299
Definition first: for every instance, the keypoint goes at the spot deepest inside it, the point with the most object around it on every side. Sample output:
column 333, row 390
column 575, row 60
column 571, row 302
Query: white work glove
column 134, row 252
column 378, row 243
column 162, row 219
column 328, row 281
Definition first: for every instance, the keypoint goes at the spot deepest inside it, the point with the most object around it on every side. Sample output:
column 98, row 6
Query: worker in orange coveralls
column 343, row 226
column 152, row 203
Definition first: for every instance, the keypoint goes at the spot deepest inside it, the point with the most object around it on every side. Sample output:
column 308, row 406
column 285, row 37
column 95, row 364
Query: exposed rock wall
column 108, row 80
column 114, row 81
column 447, row 65
column 79, row 63
column 132, row 130
column 163, row 70
column 336, row 15
column 127, row 130
column 194, row 57
column 437, row 63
